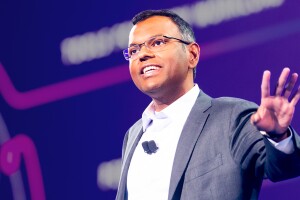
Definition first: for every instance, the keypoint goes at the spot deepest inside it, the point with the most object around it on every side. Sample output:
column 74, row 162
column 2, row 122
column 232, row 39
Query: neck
column 163, row 101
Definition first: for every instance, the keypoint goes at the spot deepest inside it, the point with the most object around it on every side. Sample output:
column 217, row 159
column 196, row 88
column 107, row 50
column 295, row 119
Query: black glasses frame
column 126, row 51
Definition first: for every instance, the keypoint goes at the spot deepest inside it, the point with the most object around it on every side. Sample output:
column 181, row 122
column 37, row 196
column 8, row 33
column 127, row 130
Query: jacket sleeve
column 255, row 153
column 279, row 165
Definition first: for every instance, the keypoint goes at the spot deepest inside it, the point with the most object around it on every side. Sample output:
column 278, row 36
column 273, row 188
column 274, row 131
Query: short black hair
column 185, row 28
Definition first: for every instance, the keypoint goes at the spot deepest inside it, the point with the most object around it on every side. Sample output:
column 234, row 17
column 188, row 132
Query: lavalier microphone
column 149, row 147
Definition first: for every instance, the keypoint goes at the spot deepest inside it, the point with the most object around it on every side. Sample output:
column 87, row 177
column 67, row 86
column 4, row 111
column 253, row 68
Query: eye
column 158, row 42
column 133, row 50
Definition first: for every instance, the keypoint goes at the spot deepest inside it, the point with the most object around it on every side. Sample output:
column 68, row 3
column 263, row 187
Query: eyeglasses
column 155, row 44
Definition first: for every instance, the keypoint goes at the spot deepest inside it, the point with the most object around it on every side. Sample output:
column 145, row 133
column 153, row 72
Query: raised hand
column 275, row 113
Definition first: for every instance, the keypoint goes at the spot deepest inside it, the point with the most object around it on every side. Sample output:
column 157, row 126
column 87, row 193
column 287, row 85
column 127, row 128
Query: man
column 188, row 145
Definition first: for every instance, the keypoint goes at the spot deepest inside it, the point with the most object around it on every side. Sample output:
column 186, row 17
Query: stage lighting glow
column 95, row 45
column 108, row 174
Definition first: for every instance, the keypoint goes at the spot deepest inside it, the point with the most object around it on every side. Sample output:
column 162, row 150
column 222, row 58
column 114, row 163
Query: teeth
column 149, row 68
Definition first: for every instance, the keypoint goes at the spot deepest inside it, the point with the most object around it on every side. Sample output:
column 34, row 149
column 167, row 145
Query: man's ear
column 194, row 54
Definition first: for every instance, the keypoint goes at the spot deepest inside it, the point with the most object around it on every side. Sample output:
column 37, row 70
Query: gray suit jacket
column 220, row 154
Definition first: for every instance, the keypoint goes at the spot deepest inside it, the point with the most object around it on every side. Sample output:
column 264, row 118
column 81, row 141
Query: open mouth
column 148, row 69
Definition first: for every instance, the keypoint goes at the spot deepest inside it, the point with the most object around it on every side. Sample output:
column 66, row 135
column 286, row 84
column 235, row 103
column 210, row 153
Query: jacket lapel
column 189, row 136
column 136, row 134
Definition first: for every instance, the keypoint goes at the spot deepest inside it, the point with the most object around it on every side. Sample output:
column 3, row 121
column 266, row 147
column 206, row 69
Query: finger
column 265, row 84
column 296, row 98
column 281, row 81
column 289, row 87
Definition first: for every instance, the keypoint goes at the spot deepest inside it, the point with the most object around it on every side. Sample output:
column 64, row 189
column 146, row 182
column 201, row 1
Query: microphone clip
column 149, row 147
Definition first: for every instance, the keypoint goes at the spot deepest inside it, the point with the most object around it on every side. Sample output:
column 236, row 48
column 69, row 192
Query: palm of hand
column 275, row 113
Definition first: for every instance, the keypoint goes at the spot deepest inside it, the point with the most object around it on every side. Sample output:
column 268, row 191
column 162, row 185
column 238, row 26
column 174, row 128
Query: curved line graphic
column 16, row 179
column 11, row 154
column 61, row 90
column 119, row 74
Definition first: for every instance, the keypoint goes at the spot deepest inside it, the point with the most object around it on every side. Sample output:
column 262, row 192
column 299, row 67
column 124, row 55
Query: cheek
column 178, row 63
column 132, row 69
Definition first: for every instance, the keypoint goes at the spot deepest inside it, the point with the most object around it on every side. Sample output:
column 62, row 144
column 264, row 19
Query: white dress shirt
column 149, row 175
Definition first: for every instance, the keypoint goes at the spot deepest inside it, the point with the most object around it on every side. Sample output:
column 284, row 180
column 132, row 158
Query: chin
column 149, row 90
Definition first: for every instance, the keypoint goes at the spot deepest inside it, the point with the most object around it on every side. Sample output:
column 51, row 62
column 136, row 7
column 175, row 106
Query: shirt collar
column 179, row 109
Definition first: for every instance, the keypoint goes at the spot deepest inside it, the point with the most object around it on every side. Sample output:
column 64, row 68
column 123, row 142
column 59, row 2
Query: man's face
column 170, row 74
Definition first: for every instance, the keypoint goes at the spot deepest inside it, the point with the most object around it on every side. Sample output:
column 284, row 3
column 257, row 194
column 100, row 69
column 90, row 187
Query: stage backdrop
column 67, row 98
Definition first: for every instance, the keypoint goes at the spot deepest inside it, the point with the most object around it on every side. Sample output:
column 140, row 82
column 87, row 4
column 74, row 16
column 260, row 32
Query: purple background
column 74, row 134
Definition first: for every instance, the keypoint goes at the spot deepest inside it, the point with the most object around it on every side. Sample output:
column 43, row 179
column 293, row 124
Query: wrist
column 278, row 137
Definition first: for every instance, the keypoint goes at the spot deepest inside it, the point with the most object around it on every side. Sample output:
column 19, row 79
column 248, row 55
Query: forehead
column 156, row 25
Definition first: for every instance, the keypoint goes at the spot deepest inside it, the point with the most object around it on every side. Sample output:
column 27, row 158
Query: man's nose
column 145, row 53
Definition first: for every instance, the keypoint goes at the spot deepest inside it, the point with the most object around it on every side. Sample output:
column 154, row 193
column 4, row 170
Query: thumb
column 255, row 118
